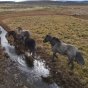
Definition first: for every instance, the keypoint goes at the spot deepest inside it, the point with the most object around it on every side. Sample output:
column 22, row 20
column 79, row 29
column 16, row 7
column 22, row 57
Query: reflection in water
column 33, row 74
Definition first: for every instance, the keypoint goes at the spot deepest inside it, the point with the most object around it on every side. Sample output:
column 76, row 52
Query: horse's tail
column 79, row 58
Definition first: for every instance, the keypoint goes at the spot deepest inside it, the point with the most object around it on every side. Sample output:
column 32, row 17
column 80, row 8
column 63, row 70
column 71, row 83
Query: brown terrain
column 10, row 76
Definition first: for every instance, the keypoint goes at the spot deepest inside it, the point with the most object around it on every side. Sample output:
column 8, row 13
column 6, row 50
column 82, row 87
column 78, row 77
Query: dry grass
column 68, row 28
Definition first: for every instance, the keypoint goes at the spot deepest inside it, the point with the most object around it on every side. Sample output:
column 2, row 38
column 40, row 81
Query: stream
column 32, row 74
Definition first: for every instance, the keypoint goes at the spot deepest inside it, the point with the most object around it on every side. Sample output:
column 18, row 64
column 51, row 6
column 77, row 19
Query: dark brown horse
column 23, row 41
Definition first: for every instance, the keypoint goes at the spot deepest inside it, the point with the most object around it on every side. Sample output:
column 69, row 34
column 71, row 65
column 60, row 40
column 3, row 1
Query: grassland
column 68, row 23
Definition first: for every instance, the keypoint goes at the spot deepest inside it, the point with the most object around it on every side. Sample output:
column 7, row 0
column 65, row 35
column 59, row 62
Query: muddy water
column 33, row 75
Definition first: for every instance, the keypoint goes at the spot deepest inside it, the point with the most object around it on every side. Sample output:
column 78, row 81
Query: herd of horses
column 22, row 39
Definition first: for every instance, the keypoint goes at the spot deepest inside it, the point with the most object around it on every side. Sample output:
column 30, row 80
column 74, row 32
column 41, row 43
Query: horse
column 17, row 37
column 15, row 40
column 12, row 34
column 23, row 40
column 23, row 33
column 26, row 39
column 69, row 50
column 30, row 44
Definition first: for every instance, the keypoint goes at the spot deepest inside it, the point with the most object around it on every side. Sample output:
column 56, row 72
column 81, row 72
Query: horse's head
column 10, row 33
column 25, row 34
column 19, row 30
column 10, row 36
column 47, row 38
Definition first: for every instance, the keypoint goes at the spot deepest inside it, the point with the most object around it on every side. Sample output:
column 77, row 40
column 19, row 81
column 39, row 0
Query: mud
column 31, row 75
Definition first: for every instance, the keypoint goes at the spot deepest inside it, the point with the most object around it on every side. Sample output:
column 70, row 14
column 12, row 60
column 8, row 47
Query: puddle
column 33, row 74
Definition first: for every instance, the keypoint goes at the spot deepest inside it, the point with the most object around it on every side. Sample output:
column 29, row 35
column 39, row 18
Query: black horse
column 30, row 44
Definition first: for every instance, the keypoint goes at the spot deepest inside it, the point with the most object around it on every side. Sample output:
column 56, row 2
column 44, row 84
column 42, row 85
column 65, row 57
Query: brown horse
column 22, row 41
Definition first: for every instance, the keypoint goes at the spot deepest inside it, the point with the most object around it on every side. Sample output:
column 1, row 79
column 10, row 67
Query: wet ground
column 16, row 72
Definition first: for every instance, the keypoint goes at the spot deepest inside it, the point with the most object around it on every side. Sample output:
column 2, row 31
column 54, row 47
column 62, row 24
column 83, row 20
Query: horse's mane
column 56, row 39
column 11, row 32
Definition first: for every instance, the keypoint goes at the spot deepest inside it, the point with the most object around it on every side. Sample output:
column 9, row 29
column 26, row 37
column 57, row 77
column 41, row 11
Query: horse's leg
column 54, row 55
column 34, row 54
column 71, row 62
column 72, row 65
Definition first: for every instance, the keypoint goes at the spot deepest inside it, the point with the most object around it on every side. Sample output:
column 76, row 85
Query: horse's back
column 66, row 49
column 71, row 50
column 30, row 43
column 25, row 33
column 60, row 48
